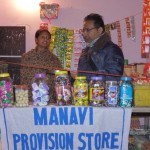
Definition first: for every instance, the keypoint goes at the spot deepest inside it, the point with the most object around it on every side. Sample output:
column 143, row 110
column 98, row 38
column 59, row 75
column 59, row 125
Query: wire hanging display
column 49, row 11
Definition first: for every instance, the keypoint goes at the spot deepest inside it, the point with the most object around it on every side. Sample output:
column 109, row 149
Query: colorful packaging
column 112, row 93
column 40, row 90
column 81, row 91
column 126, row 92
column 96, row 91
column 6, row 90
column 63, row 88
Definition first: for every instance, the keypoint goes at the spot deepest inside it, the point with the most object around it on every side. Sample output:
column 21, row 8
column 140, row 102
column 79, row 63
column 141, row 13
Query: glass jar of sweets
column 21, row 95
column 63, row 88
column 81, row 91
column 40, row 90
column 111, row 93
column 126, row 92
column 6, row 90
column 96, row 91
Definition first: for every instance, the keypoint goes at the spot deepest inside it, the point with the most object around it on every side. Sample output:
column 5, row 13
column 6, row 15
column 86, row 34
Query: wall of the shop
column 71, row 15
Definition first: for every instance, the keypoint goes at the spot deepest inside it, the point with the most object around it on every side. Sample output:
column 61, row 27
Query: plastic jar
column 40, row 90
column 63, row 88
column 111, row 93
column 81, row 91
column 6, row 90
column 96, row 91
column 126, row 92
column 21, row 95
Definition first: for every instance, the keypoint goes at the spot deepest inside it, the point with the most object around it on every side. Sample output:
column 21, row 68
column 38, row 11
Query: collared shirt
column 94, row 41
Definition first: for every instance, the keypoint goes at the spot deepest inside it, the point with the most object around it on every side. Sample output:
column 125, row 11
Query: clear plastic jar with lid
column 21, row 95
column 126, row 92
column 63, row 88
column 40, row 90
column 6, row 90
column 96, row 91
column 81, row 91
column 111, row 93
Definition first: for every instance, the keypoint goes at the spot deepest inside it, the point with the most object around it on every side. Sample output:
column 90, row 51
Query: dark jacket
column 103, row 57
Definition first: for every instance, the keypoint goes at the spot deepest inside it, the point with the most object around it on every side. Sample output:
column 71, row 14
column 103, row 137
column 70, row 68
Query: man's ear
column 100, row 30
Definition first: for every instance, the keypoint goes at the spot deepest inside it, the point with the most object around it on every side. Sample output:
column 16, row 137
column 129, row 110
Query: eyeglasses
column 87, row 30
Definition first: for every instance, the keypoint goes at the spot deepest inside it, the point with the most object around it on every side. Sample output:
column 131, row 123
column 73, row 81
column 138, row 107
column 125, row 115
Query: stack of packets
column 141, row 82
column 62, row 45
column 79, row 45
column 138, row 137
column 136, row 71
column 138, row 142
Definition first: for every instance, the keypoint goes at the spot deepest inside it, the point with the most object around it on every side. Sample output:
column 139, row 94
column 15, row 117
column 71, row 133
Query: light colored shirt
column 94, row 41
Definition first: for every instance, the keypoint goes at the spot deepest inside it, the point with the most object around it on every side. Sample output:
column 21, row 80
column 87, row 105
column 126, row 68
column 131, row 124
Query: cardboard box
column 140, row 67
column 142, row 95
column 129, row 69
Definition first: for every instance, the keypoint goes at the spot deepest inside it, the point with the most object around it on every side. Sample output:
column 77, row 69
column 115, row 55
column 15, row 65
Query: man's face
column 90, row 32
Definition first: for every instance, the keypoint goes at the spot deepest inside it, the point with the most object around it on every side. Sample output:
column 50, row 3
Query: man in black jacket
column 101, row 54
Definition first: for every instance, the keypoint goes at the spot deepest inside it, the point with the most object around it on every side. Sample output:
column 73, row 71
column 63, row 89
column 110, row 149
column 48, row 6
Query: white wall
column 71, row 15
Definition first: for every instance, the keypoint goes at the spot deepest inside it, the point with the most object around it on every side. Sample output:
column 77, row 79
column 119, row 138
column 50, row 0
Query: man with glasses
column 101, row 55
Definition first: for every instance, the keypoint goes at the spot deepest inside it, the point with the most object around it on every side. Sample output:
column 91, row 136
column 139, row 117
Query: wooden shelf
column 141, row 109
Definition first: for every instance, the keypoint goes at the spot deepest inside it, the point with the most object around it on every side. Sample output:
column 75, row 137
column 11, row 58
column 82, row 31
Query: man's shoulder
column 111, row 45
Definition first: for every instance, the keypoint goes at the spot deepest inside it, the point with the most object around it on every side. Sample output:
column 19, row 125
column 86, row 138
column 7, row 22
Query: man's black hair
column 98, row 20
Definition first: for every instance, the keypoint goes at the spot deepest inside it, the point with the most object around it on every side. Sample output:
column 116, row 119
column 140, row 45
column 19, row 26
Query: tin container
column 81, row 91
column 96, row 91
column 111, row 93
column 63, row 88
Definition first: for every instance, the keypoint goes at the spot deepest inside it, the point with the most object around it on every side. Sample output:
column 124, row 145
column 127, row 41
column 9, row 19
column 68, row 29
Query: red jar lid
column 21, row 87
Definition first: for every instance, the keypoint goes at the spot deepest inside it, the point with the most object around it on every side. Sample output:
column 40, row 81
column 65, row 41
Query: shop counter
column 65, row 128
